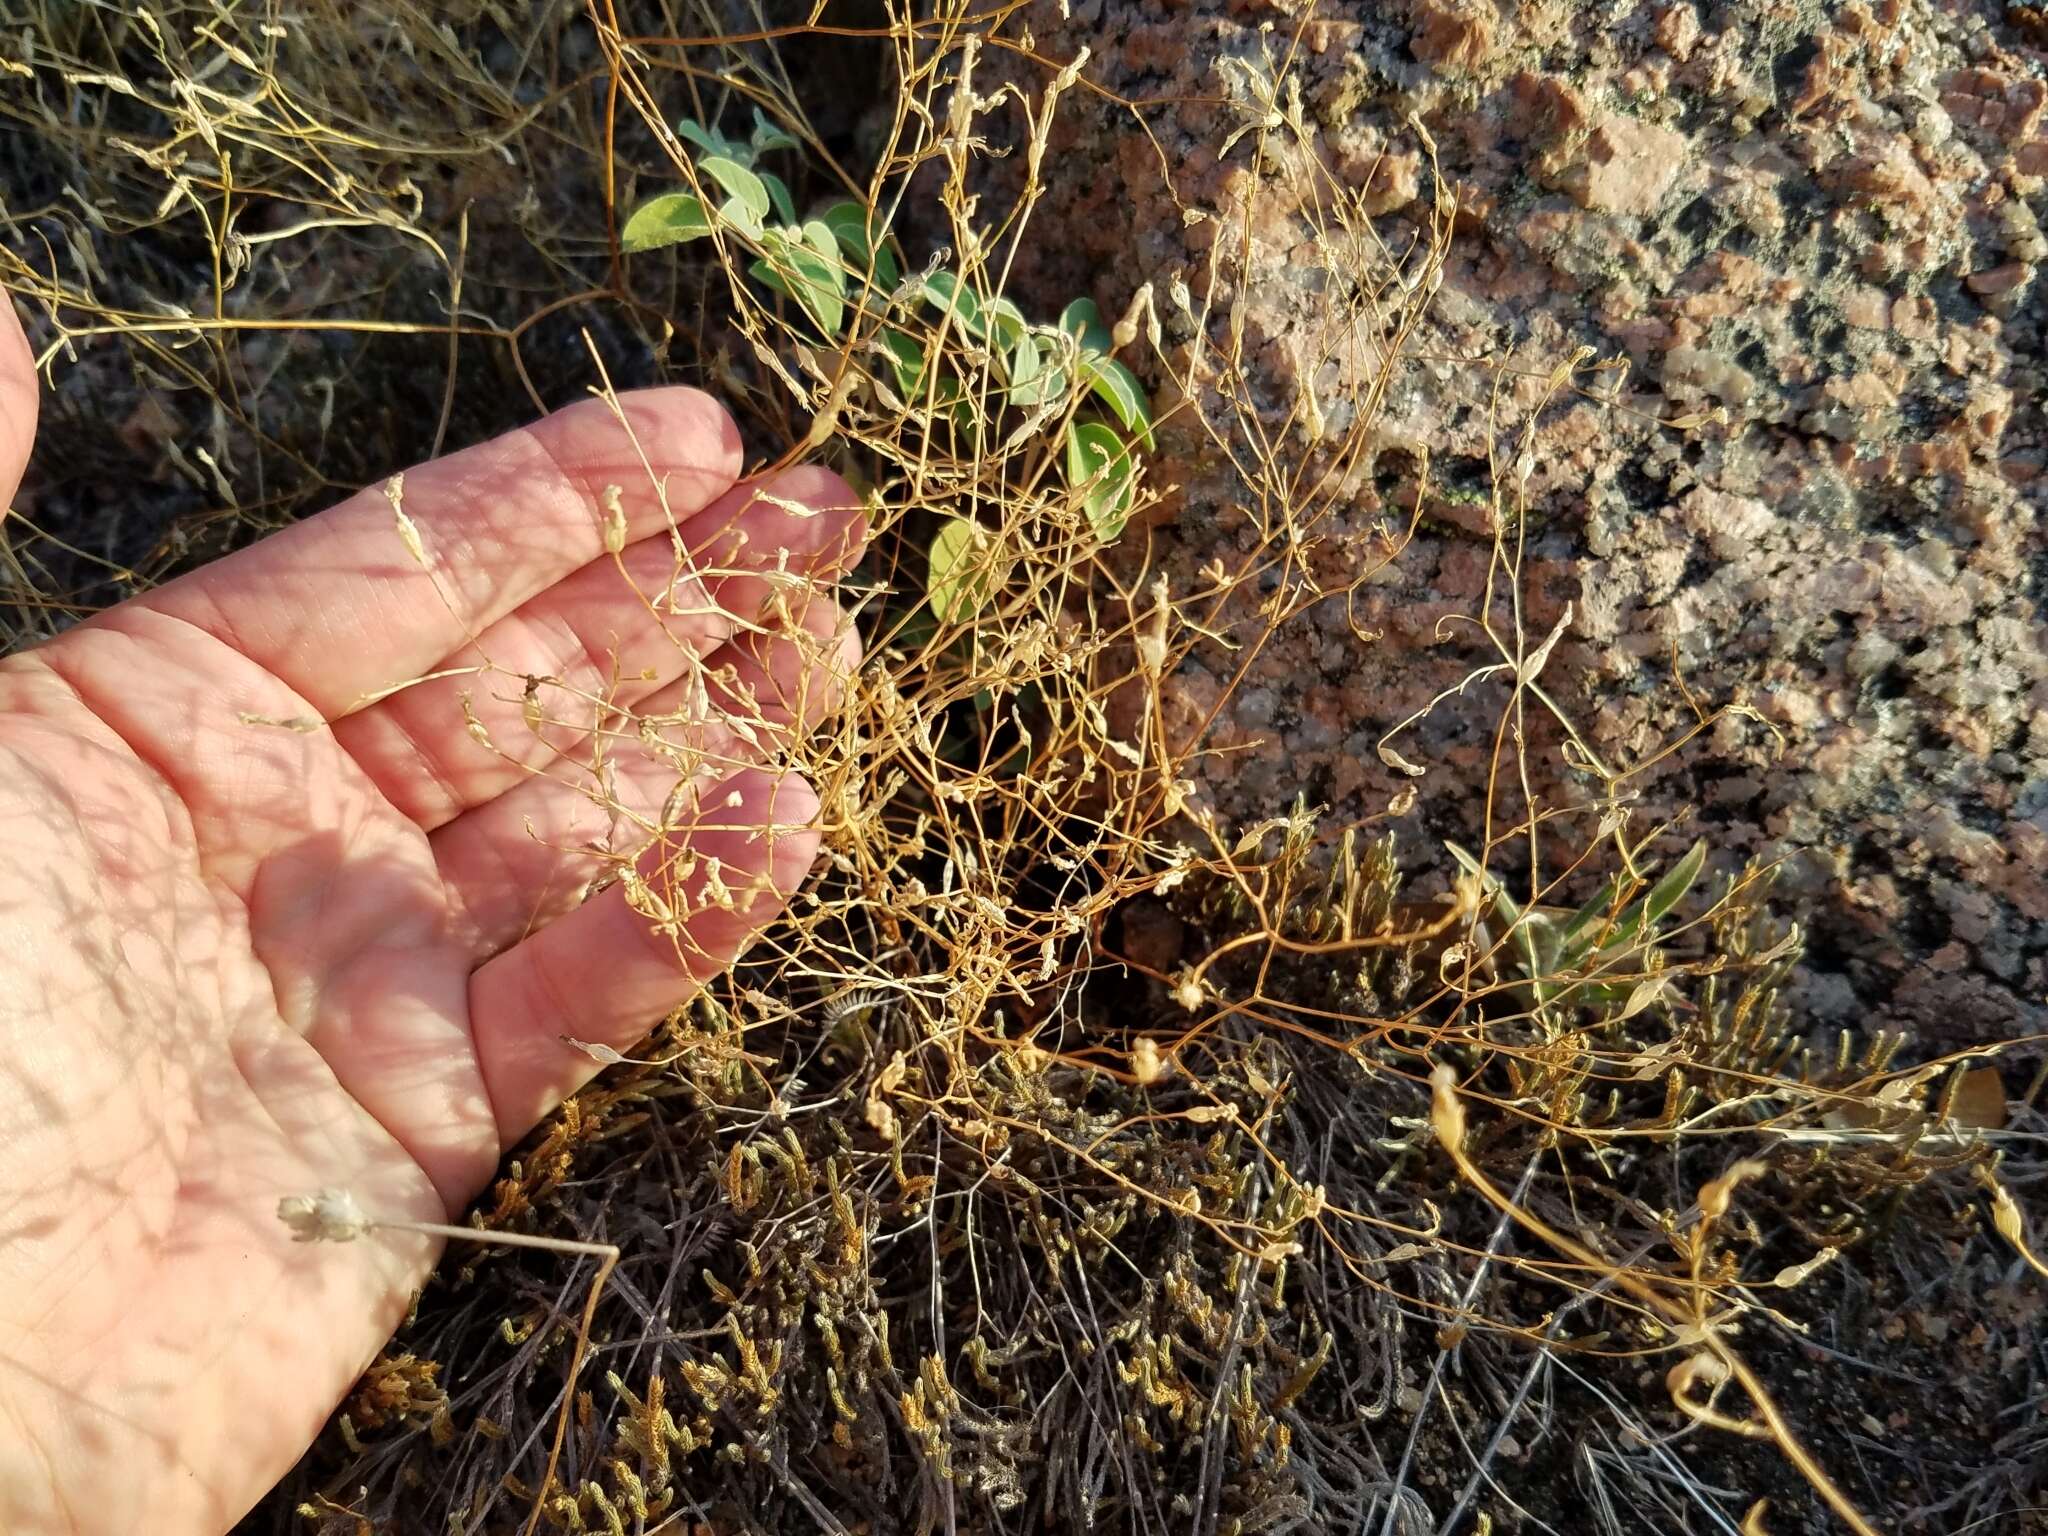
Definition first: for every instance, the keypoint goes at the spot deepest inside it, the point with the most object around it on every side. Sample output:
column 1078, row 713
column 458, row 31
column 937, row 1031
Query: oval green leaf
column 906, row 361
column 1005, row 320
column 848, row 222
column 1119, row 389
column 1083, row 320
column 768, row 136
column 964, row 570
column 666, row 220
column 1028, row 372
column 1100, row 470
column 710, row 140
column 747, row 202
column 945, row 292
column 825, row 245
column 778, row 194
column 792, row 268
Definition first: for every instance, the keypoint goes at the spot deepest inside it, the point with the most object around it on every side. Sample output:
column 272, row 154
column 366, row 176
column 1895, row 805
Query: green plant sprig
column 842, row 259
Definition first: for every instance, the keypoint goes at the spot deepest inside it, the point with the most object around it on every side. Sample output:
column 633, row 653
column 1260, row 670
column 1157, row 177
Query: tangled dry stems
column 955, row 1207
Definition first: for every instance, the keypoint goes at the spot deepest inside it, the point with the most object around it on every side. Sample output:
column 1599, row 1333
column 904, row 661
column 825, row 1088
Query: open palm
column 277, row 916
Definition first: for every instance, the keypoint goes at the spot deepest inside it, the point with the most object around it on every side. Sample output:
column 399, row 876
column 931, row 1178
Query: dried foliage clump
column 1067, row 1159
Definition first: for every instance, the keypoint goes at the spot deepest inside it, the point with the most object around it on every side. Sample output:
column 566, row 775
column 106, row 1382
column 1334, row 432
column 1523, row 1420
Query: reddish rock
column 1454, row 35
column 1629, row 167
column 1678, row 29
column 2002, row 279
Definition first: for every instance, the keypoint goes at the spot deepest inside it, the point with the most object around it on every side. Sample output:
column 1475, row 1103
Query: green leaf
column 778, row 194
column 819, row 237
column 1099, row 467
column 748, row 204
column 1037, row 376
column 1582, row 926
column 848, row 222
column 1119, row 388
column 964, row 570
column 790, row 266
column 944, row 291
column 666, row 220
column 1533, row 934
column 711, row 141
column 769, row 136
column 1670, row 891
column 1541, row 945
column 906, row 361
column 1007, row 322
column 1504, row 905
column 1083, row 320
column 1664, row 895
column 1585, row 925
column 1028, row 372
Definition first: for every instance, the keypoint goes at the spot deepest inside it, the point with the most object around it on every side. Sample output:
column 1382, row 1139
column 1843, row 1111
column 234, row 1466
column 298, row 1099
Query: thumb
column 17, row 403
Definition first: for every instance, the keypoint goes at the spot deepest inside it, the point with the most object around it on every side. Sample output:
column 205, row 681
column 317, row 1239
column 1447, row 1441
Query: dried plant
column 1067, row 1159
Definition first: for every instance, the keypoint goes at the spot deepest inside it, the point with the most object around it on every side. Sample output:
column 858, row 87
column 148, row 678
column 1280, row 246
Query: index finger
column 338, row 606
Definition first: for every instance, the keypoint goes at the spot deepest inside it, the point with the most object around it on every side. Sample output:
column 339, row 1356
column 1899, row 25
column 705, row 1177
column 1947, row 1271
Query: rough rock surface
column 1824, row 221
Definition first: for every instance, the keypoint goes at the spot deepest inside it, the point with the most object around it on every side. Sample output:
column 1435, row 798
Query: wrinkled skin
column 268, row 926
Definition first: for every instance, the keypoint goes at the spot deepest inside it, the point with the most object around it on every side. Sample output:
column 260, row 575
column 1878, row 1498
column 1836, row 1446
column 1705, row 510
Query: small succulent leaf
column 668, row 219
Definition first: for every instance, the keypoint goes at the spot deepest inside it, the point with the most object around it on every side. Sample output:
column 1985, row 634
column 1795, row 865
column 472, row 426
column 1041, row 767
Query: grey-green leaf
column 710, row 140
column 1003, row 323
column 1029, row 373
column 768, row 136
column 666, row 220
column 778, row 194
column 848, row 222
column 1584, row 925
column 964, row 570
column 1083, row 320
column 944, row 291
column 1119, row 388
column 1670, row 891
column 1099, row 467
column 906, row 361
column 790, row 266
column 748, row 204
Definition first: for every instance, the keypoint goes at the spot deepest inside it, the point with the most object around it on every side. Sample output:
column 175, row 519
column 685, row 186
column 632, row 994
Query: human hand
column 272, row 921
